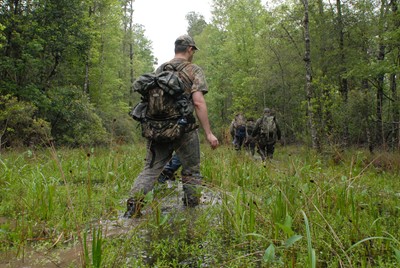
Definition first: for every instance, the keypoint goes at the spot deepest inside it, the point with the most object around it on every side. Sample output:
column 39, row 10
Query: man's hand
column 212, row 140
column 201, row 112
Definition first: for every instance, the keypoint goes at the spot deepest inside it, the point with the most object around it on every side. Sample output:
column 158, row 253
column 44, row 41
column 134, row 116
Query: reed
column 300, row 210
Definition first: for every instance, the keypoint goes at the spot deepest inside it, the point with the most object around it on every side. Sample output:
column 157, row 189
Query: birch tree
column 309, row 86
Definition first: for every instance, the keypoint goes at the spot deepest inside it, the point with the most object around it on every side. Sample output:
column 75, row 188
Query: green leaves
column 97, row 251
column 312, row 259
column 269, row 254
column 2, row 36
column 286, row 227
column 75, row 120
column 50, row 46
column 196, row 23
column 18, row 126
column 293, row 239
column 397, row 254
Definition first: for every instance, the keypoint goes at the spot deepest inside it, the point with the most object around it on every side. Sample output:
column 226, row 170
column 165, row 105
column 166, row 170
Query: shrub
column 73, row 118
column 18, row 125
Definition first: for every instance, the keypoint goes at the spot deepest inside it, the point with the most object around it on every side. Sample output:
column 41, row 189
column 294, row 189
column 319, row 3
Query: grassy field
column 61, row 208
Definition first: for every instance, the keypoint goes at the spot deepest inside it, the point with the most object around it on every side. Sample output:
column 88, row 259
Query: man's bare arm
column 200, row 107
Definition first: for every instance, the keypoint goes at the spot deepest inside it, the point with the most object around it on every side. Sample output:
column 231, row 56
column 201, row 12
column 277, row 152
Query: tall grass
column 300, row 210
column 96, row 250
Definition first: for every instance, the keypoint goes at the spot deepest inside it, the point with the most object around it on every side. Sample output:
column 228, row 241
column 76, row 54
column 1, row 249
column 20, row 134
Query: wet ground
column 69, row 255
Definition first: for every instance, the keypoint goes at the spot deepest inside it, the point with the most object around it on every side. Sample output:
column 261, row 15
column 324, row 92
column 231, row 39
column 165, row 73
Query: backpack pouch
column 162, row 131
column 138, row 112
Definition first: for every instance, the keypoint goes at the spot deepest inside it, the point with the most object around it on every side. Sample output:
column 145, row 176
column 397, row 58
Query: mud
column 67, row 255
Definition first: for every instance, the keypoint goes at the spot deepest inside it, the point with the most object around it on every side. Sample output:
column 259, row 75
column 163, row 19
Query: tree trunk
column 86, row 83
column 10, row 49
column 343, row 81
column 395, row 110
column 309, row 88
column 393, row 81
column 131, row 52
column 367, row 124
column 380, row 137
column 323, row 38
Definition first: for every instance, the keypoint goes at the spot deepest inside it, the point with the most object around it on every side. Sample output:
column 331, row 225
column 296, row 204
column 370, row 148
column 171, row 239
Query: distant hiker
column 169, row 170
column 250, row 141
column 268, row 133
column 238, row 130
column 169, row 98
column 232, row 131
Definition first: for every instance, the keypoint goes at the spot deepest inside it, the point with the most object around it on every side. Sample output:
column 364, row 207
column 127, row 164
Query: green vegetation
column 68, row 66
column 66, row 70
column 337, row 209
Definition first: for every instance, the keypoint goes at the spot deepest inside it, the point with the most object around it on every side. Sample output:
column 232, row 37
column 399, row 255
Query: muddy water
column 71, row 255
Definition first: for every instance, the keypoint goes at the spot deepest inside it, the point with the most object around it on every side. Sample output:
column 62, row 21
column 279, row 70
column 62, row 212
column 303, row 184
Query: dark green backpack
column 250, row 127
column 165, row 106
column 268, row 128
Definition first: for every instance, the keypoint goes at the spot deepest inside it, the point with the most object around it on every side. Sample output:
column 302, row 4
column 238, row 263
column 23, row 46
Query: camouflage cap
column 267, row 110
column 186, row 40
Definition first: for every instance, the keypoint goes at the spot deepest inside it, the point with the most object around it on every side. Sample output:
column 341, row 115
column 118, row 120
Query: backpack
column 268, row 128
column 250, row 127
column 165, row 107
column 240, row 121
column 240, row 125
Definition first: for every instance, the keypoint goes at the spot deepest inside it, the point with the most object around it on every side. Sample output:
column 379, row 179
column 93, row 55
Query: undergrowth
column 301, row 209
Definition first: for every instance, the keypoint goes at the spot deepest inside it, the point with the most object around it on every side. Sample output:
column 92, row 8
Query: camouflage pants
column 239, row 140
column 250, row 145
column 158, row 154
column 266, row 150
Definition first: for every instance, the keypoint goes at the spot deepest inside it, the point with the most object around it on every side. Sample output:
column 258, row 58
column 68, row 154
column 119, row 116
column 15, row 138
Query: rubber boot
column 133, row 208
column 166, row 175
column 191, row 191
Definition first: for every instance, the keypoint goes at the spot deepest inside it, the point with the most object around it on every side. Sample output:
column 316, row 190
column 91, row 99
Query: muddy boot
column 191, row 192
column 162, row 178
column 191, row 197
column 171, row 176
column 133, row 208
column 166, row 175
column 261, row 154
column 252, row 151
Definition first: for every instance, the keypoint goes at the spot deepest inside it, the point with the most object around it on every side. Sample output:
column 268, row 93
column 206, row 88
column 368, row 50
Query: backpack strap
column 176, row 67
column 182, row 66
column 185, row 77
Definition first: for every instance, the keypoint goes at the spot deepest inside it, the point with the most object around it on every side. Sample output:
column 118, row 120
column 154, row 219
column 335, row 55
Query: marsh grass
column 302, row 209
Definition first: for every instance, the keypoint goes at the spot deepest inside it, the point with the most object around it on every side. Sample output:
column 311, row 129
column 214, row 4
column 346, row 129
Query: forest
column 330, row 70
column 69, row 150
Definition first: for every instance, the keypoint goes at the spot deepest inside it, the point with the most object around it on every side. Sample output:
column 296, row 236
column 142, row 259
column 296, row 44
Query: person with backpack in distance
column 250, row 141
column 268, row 133
column 170, row 96
column 238, row 130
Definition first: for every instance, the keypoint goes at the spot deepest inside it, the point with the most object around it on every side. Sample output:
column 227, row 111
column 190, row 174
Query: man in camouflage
column 238, row 130
column 250, row 141
column 186, row 147
column 266, row 142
